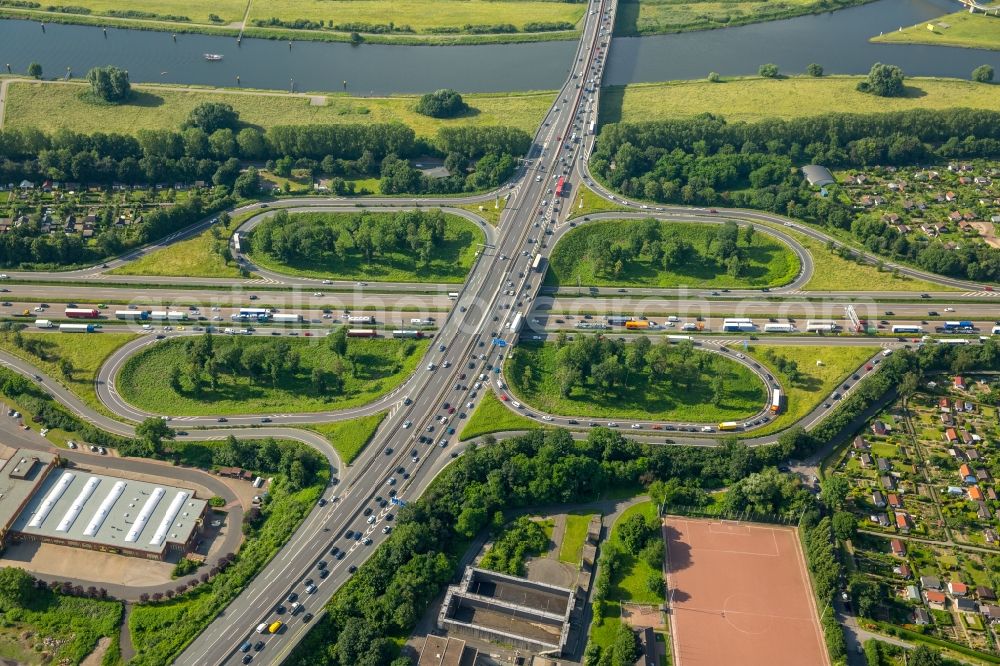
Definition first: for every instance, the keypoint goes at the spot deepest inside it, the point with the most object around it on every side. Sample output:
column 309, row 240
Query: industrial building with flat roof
column 506, row 609
column 446, row 651
column 94, row 511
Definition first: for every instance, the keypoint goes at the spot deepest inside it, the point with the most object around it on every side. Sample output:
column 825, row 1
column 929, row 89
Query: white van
column 516, row 404
column 673, row 318
column 261, row 627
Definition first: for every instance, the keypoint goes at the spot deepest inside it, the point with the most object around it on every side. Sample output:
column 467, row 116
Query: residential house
column 947, row 420
column 983, row 474
column 983, row 511
column 990, row 613
column 865, row 460
column 930, row 582
column 950, row 435
column 903, row 522
column 888, row 482
column 984, row 593
column 991, row 494
column 966, row 437
column 903, row 571
column 959, row 383
column 990, row 536
column 935, row 599
column 878, row 499
column 881, row 519
column 975, row 494
column 969, row 407
column 860, row 444
column 957, row 588
column 912, row 593
column 954, row 216
column 894, row 501
column 921, row 617
column 964, row 605
column 944, row 405
column 898, row 548
column 879, row 428
column 966, row 474
column 883, row 465
column 971, row 454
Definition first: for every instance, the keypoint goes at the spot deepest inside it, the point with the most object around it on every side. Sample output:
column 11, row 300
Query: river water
column 838, row 41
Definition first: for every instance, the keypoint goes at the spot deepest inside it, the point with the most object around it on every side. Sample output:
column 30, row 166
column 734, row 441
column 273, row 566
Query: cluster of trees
column 300, row 465
column 524, row 537
column 611, row 366
column 821, row 558
column 390, row 591
column 109, row 83
column 319, row 237
column 767, row 493
column 664, row 246
column 707, row 161
column 786, row 366
column 883, row 81
column 444, row 103
column 207, row 362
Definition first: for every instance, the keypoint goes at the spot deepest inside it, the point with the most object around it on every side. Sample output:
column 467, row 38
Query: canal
column 838, row 41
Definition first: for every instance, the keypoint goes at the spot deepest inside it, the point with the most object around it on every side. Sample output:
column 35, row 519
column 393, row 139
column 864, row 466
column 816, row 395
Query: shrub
column 109, row 83
column 982, row 74
column 713, row 77
column 444, row 103
column 884, row 81
column 814, row 69
column 768, row 71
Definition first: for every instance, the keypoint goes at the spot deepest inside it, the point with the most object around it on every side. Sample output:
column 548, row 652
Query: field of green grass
column 651, row 17
column 350, row 437
column 86, row 353
column 195, row 257
column 449, row 263
column 488, row 210
column 51, row 106
column 831, row 272
column 816, row 381
column 628, row 583
column 571, row 548
column 491, row 416
column 66, row 628
column 753, row 99
column 586, row 202
column 771, row 262
column 974, row 31
column 642, row 398
column 382, row 364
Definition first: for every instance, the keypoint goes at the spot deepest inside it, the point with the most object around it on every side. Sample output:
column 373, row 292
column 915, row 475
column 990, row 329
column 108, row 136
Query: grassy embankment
column 963, row 29
column 627, row 584
column 85, row 354
column 653, row 17
column 50, row 106
column 349, row 438
column 752, row 99
column 771, row 263
column 380, row 365
column 492, row 416
column 414, row 22
column 197, row 256
column 586, row 202
column 815, row 383
column 450, row 262
column 643, row 397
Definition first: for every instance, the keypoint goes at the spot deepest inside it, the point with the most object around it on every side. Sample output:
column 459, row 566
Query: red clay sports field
column 739, row 593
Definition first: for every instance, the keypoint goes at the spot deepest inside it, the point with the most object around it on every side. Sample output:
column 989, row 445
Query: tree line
column 708, row 161
column 317, row 237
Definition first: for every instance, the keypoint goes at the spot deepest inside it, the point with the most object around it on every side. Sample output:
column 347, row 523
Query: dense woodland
column 212, row 147
column 311, row 238
column 708, row 161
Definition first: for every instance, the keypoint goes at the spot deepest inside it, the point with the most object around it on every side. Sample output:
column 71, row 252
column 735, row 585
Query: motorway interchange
column 356, row 514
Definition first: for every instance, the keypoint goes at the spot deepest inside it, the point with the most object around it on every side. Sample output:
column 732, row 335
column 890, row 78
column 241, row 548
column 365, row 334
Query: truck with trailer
column 282, row 318
column 82, row 313
column 168, row 315
column 44, row 323
column 907, row 328
column 637, row 325
column 404, row 333
column 361, row 333
column 958, row 326
column 515, row 324
column 536, row 264
column 132, row 315
column 360, row 319
column 821, row 326
column 421, row 322
column 76, row 328
column 737, row 325
column 618, row 321
column 779, row 328
column 729, row 425
column 775, row 401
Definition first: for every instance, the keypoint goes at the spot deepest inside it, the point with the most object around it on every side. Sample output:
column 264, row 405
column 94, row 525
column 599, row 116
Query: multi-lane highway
column 500, row 284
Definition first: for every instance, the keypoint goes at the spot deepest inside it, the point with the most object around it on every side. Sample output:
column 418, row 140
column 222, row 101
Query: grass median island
column 755, row 99
column 259, row 375
column 805, row 383
column 492, row 416
column 414, row 246
column 959, row 29
column 575, row 535
column 586, row 256
column 587, row 202
column 655, row 17
column 350, row 437
column 50, row 106
column 198, row 256
column 603, row 378
column 71, row 359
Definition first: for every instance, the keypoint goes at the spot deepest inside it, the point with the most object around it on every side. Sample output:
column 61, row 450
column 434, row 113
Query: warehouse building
column 94, row 511
column 509, row 610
